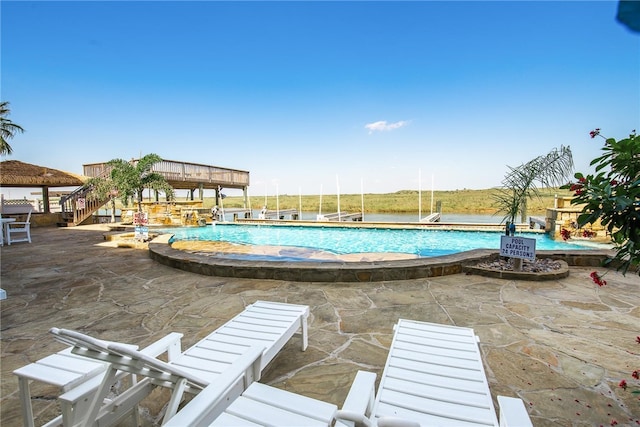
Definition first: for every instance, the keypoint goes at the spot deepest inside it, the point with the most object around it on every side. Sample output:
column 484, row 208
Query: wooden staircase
column 79, row 206
column 81, row 203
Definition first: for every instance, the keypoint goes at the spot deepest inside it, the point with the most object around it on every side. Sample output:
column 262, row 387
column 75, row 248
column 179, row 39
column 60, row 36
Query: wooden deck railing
column 187, row 175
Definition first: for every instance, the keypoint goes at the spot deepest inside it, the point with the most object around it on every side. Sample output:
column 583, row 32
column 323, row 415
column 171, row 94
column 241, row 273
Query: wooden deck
column 184, row 175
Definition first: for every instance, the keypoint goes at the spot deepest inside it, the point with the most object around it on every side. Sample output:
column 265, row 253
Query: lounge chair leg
column 176, row 397
column 25, row 397
column 305, row 338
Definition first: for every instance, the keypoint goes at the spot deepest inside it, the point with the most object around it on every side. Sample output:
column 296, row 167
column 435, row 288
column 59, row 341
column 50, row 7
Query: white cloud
column 382, row 125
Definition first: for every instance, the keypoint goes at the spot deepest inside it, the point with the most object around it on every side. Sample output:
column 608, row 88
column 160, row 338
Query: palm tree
column 8, row 129
column 130, row 179
column 519, row 185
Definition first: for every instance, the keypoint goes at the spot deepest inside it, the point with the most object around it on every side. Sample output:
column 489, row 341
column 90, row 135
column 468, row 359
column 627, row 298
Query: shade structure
column 14, row 173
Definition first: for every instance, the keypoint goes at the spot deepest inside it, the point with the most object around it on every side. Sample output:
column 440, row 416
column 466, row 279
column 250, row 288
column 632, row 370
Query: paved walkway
column 562, row 345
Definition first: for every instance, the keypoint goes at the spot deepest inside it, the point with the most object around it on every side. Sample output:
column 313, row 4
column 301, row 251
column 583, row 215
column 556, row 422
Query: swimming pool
column 350, row 240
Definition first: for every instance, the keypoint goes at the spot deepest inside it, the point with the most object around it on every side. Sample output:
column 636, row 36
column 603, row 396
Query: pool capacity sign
column 518, row 247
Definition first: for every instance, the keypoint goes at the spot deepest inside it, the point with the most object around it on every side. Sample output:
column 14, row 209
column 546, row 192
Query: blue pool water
column 346, row 240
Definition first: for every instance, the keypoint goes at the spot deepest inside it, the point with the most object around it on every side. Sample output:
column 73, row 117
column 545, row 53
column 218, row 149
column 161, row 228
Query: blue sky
column 309, row 95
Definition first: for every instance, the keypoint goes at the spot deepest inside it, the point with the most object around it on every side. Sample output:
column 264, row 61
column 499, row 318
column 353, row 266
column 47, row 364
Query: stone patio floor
column 561, row 345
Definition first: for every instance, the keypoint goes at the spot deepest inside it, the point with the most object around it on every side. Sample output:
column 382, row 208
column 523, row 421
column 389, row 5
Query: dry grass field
column 455, row 201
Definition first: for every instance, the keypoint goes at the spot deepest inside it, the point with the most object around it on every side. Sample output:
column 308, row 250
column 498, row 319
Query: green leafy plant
column 104, row 189
column 520, row 183
column 130, row 179
column 611, row 196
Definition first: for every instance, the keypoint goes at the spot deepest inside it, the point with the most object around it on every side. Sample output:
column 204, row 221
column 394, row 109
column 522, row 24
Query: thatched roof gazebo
column 14, row 173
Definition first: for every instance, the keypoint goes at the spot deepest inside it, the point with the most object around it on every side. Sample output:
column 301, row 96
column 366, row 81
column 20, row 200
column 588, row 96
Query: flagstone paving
column 561, row 345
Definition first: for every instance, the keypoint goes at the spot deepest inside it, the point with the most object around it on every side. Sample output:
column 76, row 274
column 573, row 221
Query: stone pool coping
column 161, row 251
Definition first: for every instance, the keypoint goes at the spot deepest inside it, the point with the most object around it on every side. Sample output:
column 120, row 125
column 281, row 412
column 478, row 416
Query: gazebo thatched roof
column 18, row 174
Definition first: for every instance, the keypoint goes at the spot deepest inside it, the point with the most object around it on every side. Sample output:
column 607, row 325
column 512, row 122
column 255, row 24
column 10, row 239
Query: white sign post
column 518, row 247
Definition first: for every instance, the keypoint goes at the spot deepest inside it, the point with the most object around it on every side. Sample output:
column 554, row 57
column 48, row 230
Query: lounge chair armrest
column 513, row 412
column 361, row 394
column 359, row 401
column 170, row 344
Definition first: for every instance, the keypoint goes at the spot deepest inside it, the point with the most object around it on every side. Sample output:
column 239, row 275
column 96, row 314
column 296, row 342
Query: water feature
column 347, row 240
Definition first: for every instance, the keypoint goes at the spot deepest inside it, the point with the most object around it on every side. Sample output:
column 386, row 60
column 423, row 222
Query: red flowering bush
column 597, row 279
column 566, row 234
column 635, row 375
column 612, row 196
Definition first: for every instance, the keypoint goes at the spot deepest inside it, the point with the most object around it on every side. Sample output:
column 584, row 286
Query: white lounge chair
column 174, row 374
column 434, row 377
column 19, row 228
column 266, row 325
column 78, row 379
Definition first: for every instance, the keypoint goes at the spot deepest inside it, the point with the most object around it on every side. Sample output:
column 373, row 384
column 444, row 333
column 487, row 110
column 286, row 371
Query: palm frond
column 519, row 184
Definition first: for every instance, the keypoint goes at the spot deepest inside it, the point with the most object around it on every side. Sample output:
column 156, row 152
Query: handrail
column 77, row 206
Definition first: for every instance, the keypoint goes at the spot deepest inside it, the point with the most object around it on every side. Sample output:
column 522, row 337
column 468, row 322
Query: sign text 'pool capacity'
column 518, row 247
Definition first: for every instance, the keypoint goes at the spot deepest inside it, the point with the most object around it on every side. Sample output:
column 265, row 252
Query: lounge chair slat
column 444, row 366
column 436, row 376
column 269, row 415
column 293, row 402
column 435, row 343
column 229, row 420
column 210, row 354
column 438, row 392
column 222, row 346
column 391, row 410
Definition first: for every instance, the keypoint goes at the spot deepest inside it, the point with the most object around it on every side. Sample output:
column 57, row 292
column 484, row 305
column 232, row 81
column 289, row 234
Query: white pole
column 277, row 203
column 265, row 195
column 338, row 190
column 299, row 202
column 320, row 207
column 224, row 218
column 419, row 195
column 362, row 197
column 431, row 193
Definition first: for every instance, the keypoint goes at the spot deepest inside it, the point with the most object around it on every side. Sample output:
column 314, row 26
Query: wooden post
column 517, row 264
column 45, row 200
